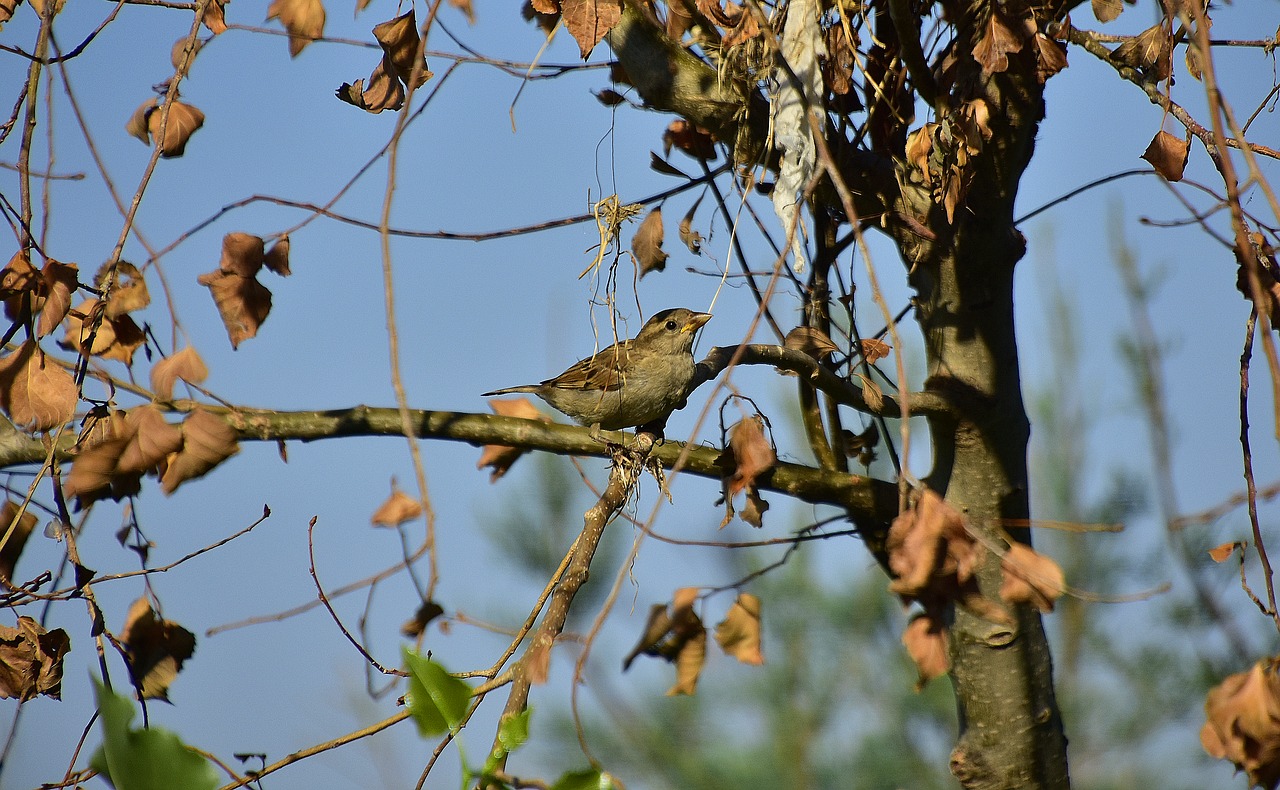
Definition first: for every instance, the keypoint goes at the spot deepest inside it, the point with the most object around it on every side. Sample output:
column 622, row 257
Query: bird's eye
column 671, row 326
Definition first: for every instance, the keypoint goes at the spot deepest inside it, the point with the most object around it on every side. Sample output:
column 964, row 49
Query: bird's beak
column 696, row 322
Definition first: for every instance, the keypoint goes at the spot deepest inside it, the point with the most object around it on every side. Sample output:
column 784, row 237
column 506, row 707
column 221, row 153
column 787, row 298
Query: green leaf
column 437, row 700
column 514, row 731
column 589, row 779
column 149, row 759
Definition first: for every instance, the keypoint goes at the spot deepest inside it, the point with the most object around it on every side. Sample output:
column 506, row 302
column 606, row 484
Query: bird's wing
column 603, row 372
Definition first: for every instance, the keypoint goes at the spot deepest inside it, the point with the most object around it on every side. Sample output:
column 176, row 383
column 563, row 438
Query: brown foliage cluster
column 1242, row 722
column 935, row 557
column 675, row 632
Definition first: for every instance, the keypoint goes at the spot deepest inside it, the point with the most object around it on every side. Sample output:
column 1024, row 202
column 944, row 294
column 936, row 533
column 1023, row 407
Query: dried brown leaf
column 999, row 40
column 242, row 254
column 60, row 281
column 689, row 661
column 396, row 509
column 151, row 439
column 537, row 665
column 929, row 548
column 1051, row 57
column 214, row 17
column 688, row 236
column 1167, row 154
column 500, row 457
column 277, row 258
column 1223, row 553
column 207, row 440
column 1107, row 10
column 31, row 660
column 749, row 454
column 753, row 511
column 116, row 339
column 1151, row 50
column 810, row 340
column 35, row 393
column 872, row 394
column 93, row 473
column 156, row 649
column 137, row 125
column 1030, row 577
column 304, row 19
column 739, row 633
column 589, row 20
column 243, row 303
column 17, row 540
column 646, row 245
column 656, row 629
column 1242, row 723
column 926, row 641
column 416, row 625
column 693, row 140
column 185, row 364
column 129, row 292
column 183, row 120
column 179, row 51
column 874, row 350
column 399, row 41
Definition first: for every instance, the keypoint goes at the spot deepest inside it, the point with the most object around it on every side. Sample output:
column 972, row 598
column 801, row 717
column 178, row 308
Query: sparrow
column 629, row 384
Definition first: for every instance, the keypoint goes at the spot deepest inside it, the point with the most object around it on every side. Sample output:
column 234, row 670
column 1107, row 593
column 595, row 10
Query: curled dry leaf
column 689, row 661
column 1223, row 553
column 416, row 625
column 739, row 633
column 182, row 121
column 750, row 454
column 137, row 125
column 934, row 559
column 304, row 19
column 180, row 49
column 31, row 660
column 242, row 254
column 156, row 649
column 277, row 258
column 655, row 630
column 94, row 475
column 871, row 393
column 693, row 140
column 185, row 364
column 874, row 350
column 919, row 148
column 1151, row 50
column 1107, row 10
column 589, row 20
column 1030, row 577
column 1167, row 154
column 128, row 292
column 690, row 237
column 1001, row 38
column 926, row 641
column 1242, row 723
column 537, row 663
column 214, row 16
column 1051, row 57
column 396, row 509
column 243, row 303
column 151, row 439
column 12, row 548
column 810, row 340
column 207, row 440
column 753, row 511
column 646, row 245
column 58, row 282
column 668, row 634
column 114, row 338
column 500, row 457
column 35, row 393
column 399, row 41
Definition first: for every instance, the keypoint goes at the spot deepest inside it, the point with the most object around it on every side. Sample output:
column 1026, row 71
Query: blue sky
column 476, row 316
